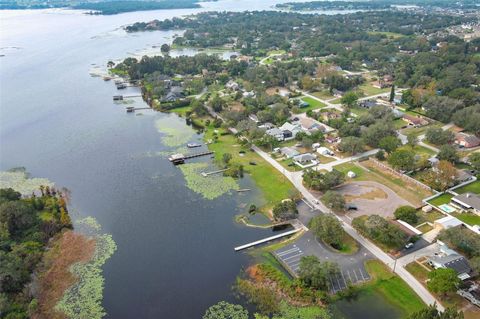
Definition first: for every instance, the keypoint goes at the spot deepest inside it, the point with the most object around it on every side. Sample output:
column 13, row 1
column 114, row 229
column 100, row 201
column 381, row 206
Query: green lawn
column 274, row 186
column 349, row 245
column 440, row 200
column 324, row 159
column 359, row 111
column 399, row 123
column 336, row 101
column 312, row 104
column 470, row 188
column 419, row 150
column 468, row 218
column 368, row 89
column 418, row 130
column 346, row 167
column 391, row 35
column 181, row 110
column 324, row 95
column 392, row 287
column 425, row 228
column 431, row 216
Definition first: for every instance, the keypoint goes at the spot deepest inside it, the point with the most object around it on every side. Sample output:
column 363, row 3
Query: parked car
column 409, row 245
column 352, row 207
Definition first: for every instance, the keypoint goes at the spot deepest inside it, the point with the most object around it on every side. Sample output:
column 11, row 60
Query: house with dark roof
column 449, row 258
column 467, row 201
column 305, row 160
column 415, row 120
column 175, row 93
column 467, row 140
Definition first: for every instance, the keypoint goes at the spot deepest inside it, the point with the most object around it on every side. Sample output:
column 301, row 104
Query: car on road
column 352, row 207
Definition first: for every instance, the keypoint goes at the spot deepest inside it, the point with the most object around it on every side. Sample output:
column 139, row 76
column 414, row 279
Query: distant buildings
column 449, row 258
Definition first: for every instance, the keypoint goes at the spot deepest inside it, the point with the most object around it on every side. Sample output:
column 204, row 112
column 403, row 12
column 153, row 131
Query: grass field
column 470, row 188
column 312, row 104
column 182, row 110
column 390, row 35
column 274, row 186
column 392, row 287
column 324, row 95
column 440, row 200
column 324, row 159
column 418, row 130
column 410, row 192
column 368, row 89
column 419, row 150
column 468, row 218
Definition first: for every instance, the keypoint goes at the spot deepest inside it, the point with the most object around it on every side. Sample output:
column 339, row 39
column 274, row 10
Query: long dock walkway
column 261, row 241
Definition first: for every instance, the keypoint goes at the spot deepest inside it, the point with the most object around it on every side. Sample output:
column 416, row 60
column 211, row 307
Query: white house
column 290, row 130
column 305, row 160
column 324, row 151
column 289, row 152
column 275, row 132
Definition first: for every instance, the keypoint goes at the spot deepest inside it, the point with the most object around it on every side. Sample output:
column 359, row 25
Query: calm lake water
column 175, row 250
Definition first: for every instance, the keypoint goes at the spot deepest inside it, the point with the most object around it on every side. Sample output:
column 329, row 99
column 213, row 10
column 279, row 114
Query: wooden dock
column 261, row 241
column 205, row 174
column 180, row 158
column 131, row 109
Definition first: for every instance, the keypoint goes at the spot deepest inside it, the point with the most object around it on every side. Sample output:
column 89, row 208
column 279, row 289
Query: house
column 289, row 152
column 276, row 132
column 309, row 125
column 248, row 94
column 467, row 140
column 266, row 126
column 305, row 160
column 397, row 113
column 324, row 151
column 291, row 130
column 447, row 222
column 467, row 201
column 367, row 104
column 175, row 93
column 331, row 139
column 433, row 161
column 302, row 104
column 315, row 145
column 449, row 258
column 416, row 121
column 337, row 93
column 254, row 118
column 232, row 85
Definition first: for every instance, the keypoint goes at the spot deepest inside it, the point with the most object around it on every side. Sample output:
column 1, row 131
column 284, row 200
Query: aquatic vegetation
column 19, row 180
column 209, row 187
column 84, row 298
column 174, row 132
column 165, row 154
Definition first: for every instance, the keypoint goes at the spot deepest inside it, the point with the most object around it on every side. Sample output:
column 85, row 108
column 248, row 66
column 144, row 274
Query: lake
column 175, row 252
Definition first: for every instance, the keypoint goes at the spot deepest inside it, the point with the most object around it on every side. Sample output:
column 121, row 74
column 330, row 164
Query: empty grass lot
column 468, row 218
column 440, row 200
column 470, row 188
column 274, row 186
column 392, row 287
column 312, row 104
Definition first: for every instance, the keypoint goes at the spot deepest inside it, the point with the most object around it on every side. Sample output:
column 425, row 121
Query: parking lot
column 352, row 268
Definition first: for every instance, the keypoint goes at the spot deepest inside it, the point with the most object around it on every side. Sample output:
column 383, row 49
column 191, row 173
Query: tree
column 407, row 214
column 438, row 136
column 334, row 200
column 431, row 312
column 329, row 229
column 389, row 143
column 443, row 177
column 443, row 280
column 352, row 145
column 475, row 160
column 392, row 94
column 412, row 140
column 315, row 274
column 349, row 99
column 323, row 181
column 285, row 210
column 448, row 153
column 441, row 108
column 402, row 159
column 165, row 48
column 226, row 158
column 380, row 155
column 225, row 310
column 375, row 132
column 475, row 263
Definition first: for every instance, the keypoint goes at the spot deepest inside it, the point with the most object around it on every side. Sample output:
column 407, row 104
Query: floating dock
column 261, row 241
column 205, row 174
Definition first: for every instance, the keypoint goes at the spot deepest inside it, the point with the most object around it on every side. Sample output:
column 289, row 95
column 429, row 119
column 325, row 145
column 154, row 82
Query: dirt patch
column 371, row 198
column 236, row 106
column 276, row 90
column 55, row 276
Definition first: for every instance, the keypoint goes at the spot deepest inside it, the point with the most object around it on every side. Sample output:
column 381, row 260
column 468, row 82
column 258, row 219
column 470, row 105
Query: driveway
column 371, row 198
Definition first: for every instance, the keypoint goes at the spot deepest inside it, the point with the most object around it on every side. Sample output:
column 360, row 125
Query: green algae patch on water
column 19, row 180
column 84, row 298
column 174, row 132
column 209, row 187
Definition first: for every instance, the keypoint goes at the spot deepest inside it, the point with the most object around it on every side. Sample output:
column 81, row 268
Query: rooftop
column 468, row 200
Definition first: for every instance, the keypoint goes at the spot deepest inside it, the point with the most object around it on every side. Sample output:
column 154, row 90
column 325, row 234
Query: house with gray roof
column 449, row 258
column 289, row 152
column 467, row 201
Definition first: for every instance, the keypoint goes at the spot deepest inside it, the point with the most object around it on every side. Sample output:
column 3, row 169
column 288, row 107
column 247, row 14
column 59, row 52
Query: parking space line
column 355, row 275
column 300, row 254
column 343, row 277
column 285, row 252
column 295, row 264
column 361, row 273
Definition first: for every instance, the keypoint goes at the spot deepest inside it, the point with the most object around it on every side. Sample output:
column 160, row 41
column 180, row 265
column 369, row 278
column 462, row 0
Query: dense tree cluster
column 26, row 225
column 463, row 240
column 285, row 210
column 329, row 229
column 323, row 181
column 316, row 274
column 381, row 231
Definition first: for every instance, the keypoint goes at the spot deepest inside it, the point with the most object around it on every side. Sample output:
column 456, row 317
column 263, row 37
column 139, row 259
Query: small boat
column 193, row 145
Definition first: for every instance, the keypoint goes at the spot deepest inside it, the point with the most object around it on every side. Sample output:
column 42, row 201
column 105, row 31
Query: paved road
column 296, row 179
column 329, row 166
